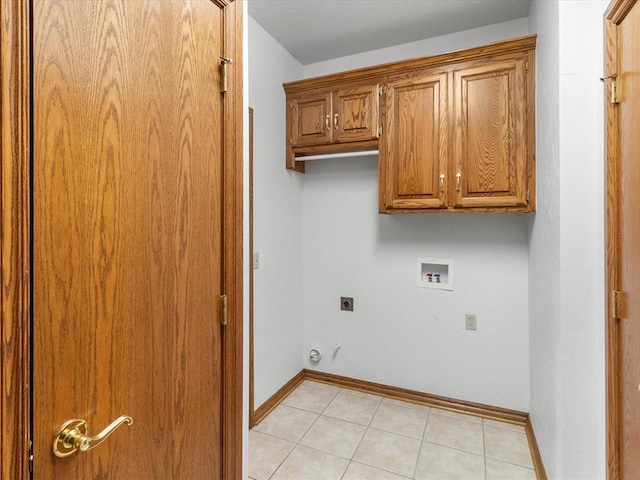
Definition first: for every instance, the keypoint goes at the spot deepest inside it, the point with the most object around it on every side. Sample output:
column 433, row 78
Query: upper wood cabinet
column 415, row 149
column 455, row 132
column 490, row 135
column 344, row 116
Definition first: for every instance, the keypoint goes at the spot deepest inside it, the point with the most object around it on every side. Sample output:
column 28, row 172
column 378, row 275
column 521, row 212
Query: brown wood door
column 489, row 147
column 127, row 232
column 311, row 122
column 623, row 240
column 356, row 114
column 414, row 146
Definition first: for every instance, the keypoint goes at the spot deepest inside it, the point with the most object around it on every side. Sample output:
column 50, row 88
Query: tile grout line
column 424, row 432
column 484, row 450
column 364, row 434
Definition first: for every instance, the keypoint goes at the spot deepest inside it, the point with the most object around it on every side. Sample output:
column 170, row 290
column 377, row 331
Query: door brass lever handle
column 72, row 436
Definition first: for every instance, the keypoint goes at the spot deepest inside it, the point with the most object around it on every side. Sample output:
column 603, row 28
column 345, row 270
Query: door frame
column 15, row 239
column 613, row 16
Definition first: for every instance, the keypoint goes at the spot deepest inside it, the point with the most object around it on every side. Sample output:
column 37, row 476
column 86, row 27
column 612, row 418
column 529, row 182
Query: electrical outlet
column 346, row 303
column 470, row 321
column 256, row 260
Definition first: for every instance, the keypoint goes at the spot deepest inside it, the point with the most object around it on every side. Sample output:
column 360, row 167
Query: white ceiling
column 317, row 30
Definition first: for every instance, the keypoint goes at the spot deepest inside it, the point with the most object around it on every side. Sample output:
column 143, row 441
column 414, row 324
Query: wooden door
column 623, row 239
column 356, row 114
column 414, row 148
column 127, row 236
column 311, row 120
column 490, row 135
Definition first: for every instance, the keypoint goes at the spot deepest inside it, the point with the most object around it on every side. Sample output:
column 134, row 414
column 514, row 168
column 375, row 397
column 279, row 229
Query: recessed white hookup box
column 435, row 273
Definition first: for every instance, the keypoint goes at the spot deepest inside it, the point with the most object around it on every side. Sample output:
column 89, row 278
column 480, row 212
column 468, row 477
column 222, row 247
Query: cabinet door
column 355, row 114
column 413, row 159
column 310, row 117
column 490, row 135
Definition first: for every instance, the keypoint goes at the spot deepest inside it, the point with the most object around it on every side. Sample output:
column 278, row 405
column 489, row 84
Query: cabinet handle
column 442, row 183
column 458, row 187
column 327, row 119
column 335, row 120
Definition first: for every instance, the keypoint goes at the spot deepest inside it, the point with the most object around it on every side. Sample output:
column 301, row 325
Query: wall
column 399, row 334
column 422, row 48
column 567, row 242
column 277, row 220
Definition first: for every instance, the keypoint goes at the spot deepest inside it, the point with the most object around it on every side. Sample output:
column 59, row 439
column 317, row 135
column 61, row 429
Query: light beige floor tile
column 504, row 425
column 324, row 386
column 401, row 420
column 443, row 463
column 505, row 471
column 310, row 398
column 458, row 415
column 415, row 406
column 388, row 451
column 287, row 423
column 352, row 408
column 334, row 436
column 455, row 433
column 306, row 463
column 266, row 453
column 357, row 471
column 507, row 446
column 359, row 393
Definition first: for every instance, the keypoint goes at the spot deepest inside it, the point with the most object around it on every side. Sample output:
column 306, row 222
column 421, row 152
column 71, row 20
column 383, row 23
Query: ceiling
column 317, row 30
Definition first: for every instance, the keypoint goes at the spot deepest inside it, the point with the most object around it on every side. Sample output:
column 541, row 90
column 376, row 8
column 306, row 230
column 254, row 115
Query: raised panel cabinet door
column 356, row 113
column 414, row 153
column 490, row 135
column 310, row 117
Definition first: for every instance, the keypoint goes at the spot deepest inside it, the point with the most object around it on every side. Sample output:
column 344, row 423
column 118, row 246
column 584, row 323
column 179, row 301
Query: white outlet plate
column 470, row 321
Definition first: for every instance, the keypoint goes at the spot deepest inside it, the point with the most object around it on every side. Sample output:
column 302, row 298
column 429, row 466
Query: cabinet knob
column 442, row 183
column 458, row 187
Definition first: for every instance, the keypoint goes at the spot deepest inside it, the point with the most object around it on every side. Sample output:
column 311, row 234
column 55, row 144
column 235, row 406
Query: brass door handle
column 327, row 119
column 442, row 183
column 72, row 436
column 335, row 120
column 458, row 175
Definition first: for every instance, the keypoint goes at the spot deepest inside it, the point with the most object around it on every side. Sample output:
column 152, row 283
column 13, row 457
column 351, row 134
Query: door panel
column 311, row 120
column 415, row 145
column 629, row 239
column 490, row 132
column 127, row 228
column 356, row 113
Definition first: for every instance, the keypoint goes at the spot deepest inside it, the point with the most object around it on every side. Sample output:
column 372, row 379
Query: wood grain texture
column 612, row 261
column 623, row 236
column 536, row 458
column 415, row 148
column 490, row 134
column 311, row 119
column 443, row 61
column 128, row 247
column 355, row 114
column 233, row 267
column 14, row 239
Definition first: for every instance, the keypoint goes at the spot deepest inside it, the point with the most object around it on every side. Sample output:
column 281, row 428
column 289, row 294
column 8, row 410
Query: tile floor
column 322, row 432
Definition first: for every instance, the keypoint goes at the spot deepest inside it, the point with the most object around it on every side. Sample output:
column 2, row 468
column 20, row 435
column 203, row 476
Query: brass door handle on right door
column 73, row 436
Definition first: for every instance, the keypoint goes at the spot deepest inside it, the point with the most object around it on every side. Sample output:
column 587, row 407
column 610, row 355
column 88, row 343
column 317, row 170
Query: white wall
column 399, row 334
column 567, row 242
column 422, row 48
column 277, row 220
